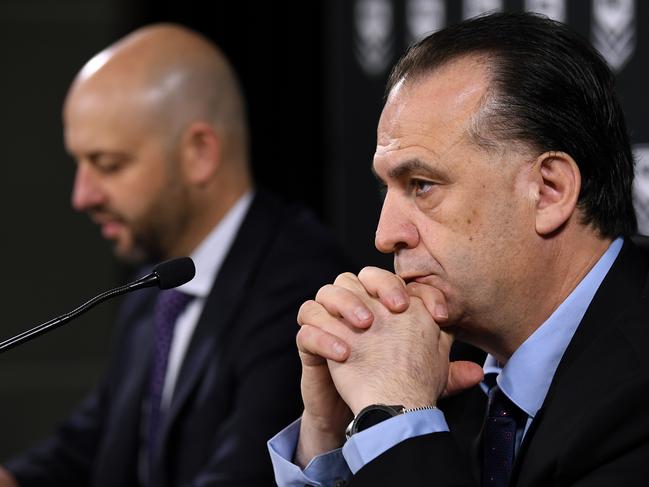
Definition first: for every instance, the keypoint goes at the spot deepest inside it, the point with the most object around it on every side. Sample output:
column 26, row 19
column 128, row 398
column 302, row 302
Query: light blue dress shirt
column 525, row 379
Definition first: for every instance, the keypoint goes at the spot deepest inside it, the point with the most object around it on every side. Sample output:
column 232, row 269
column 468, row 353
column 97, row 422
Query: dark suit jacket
column 239, row 382
column 593, row 428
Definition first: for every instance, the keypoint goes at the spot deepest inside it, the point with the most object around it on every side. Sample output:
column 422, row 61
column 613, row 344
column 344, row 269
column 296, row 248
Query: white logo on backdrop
column 554, row 9
column 424, row 17
column 613, row 30
column 373, row 39
column 641, row 187
column 471, row 8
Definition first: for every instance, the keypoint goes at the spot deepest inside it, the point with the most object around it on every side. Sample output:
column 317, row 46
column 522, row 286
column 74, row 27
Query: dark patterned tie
column 168, row 307
column 499, row 439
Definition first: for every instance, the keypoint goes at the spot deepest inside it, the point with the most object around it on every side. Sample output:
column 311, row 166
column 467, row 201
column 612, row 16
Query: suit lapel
column 225, row 298
column 595, row 357
column 122, row 441
column 464, row 414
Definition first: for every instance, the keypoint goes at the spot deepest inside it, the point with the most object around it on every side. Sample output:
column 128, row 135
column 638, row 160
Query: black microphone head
column 174, row 272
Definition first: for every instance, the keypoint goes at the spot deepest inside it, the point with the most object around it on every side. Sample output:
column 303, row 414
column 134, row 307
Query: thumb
column 461, row 376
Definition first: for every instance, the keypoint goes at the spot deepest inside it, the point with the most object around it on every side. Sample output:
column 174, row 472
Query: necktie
column 168, row 307
column 499, row 439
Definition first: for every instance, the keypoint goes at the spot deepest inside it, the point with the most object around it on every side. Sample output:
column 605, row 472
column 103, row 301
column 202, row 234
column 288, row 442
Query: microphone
column 166, row 275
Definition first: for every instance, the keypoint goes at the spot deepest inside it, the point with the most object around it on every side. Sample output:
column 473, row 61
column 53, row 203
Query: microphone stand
column 149, row 280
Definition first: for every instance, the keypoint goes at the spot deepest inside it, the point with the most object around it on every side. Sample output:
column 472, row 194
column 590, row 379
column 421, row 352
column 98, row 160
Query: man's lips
column 421, row 279
column 110, row 226
column 433, row 281
column 111, row 229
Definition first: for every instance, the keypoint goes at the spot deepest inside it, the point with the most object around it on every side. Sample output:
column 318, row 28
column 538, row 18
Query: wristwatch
column 374, row 414
column 370, row 416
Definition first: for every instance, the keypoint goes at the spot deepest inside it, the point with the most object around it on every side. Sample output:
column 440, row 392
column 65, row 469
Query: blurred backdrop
column 313, row 74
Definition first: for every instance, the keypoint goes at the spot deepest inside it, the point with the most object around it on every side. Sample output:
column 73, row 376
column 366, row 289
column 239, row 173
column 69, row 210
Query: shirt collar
column 526, row 377
column 211, row 252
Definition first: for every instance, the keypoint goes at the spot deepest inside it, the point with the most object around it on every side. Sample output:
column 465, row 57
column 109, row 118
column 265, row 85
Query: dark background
column 313, row 109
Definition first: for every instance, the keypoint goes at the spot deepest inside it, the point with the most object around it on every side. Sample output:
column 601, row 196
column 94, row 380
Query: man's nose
column 395, row 230
column 86, row 193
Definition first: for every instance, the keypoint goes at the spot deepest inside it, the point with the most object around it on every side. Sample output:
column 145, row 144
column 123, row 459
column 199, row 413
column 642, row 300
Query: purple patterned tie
column 168, row 307
column 499, row 439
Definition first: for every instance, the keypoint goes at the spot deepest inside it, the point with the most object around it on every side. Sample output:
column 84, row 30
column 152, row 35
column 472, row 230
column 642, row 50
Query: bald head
column 157, row 125
column 173, row 76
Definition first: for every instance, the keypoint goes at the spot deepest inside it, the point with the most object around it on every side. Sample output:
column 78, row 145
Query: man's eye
column 420, row 186
column 109, row 165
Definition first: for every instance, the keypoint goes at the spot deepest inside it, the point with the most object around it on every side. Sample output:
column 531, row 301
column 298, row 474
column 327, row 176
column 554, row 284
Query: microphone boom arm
column 149, row 280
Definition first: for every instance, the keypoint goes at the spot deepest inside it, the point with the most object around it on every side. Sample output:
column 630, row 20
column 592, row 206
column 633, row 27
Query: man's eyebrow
column 95, row 155
column 410, row 166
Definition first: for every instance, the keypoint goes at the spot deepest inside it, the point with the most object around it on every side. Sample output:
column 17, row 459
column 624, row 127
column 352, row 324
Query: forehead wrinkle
column 438, row 130
column 415, row 164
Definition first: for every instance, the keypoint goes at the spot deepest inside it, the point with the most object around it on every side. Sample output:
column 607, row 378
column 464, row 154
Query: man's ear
column 559, row 185
column 200, row 152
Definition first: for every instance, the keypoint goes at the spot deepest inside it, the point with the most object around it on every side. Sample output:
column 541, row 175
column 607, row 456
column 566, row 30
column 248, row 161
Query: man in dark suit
column 508, row 208
column 156, row 123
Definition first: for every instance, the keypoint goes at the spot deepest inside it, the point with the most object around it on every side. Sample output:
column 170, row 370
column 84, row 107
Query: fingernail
column 441, row 311
column 338, row 349
column 362, row 314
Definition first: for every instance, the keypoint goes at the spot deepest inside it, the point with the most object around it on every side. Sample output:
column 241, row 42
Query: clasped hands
column 372, row 339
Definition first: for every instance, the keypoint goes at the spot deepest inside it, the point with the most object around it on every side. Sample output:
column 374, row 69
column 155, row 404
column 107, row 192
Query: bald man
column 156, row 123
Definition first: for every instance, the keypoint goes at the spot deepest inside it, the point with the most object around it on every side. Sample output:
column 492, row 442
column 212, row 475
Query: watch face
column 373, row 415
